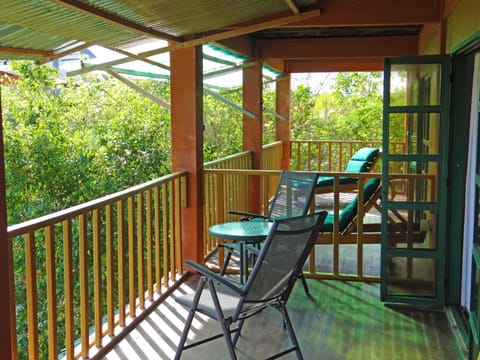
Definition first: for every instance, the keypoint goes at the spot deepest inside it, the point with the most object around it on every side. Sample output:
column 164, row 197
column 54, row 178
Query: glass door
column 474, row 313
column 416, row 108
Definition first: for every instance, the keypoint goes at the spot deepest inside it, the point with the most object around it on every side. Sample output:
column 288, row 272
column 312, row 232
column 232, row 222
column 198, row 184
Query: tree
column 352, row 109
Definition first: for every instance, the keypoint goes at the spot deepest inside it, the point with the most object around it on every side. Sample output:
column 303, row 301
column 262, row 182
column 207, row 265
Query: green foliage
column 65, row 144
column 69, row 143
column 352, row 110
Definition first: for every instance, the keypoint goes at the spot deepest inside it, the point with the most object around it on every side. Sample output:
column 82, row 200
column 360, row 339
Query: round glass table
column 243, row 232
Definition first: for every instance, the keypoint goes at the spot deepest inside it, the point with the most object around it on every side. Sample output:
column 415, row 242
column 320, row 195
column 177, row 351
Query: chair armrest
column 246, row 215
column 232, row 284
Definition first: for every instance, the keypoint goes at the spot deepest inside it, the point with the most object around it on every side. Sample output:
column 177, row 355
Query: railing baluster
column 122, row 301
column 140, row 252
column 83, row 263
column 68, row 289
column 31, row 283
column 110, row 270
column 97, row 278
column 158, row 264
column 173, row 231
column 167, row 227
column 177, row 243
column 131, row 257
column 51, row 292
column 149, row 270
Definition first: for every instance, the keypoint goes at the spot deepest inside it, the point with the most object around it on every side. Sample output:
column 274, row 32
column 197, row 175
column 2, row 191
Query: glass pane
column 414, row 84
column 411, row 276
column 419, row 133
column 414, row 181
column 412, row 229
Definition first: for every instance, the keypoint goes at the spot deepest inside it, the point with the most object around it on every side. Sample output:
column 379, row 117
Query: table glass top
column 242, row 230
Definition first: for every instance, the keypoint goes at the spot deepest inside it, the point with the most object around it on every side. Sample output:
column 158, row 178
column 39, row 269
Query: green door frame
column 434, row 255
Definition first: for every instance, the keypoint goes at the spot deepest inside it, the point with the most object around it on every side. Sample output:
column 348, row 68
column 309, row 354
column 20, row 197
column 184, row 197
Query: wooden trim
column 22, row 51
column 327, row 48
column 334, row 65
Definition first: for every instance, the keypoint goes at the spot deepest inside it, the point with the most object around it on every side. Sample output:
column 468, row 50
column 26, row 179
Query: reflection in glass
column 412, row 84
column 420, row 132
column 411, row 276
column 412, row 229
column 413, row 181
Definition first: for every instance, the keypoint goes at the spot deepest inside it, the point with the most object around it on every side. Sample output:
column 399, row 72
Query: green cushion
column 362, row 159
column 365, row 154
column 357, row 166
column 328, row 180
column 350, row 211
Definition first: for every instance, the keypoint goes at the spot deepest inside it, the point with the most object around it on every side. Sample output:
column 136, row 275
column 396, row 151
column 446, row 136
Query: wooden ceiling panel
column 338, row 47
column 334, row 65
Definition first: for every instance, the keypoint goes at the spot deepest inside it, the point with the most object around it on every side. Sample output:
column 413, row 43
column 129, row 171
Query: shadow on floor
column 342, row 321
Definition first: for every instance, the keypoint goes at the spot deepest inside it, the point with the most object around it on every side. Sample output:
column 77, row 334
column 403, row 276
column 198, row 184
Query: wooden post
column 187, row 143
column 282, row 127
column 7, row 295
column 253, row 128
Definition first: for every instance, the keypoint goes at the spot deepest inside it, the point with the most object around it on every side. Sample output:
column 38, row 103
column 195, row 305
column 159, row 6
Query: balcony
column 122, row 262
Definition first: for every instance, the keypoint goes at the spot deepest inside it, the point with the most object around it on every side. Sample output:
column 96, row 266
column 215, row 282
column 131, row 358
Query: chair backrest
column 363, row 160
column 282, row 257
column 293, row 194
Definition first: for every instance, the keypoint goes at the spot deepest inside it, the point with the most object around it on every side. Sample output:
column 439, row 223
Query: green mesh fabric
column 294, row 194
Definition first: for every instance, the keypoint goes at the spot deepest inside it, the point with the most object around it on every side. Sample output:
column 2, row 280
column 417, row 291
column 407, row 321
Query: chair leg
column 225, row 262
column 237, row 333
column 191, row 314
column 224, row 324
column 291, row 332
column 304, row 283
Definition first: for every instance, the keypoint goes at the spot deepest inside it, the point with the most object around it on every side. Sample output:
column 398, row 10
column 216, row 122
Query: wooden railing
column 89, row 271
column 227, row 189
column 333, row 155
column 228, row 192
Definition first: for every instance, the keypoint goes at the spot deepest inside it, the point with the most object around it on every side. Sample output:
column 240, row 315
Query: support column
column 7, row 297
column 187, row 143
column 253, row 128
column 282, row 127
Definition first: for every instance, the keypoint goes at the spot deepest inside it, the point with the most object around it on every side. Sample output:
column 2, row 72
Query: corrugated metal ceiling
column 51, row 25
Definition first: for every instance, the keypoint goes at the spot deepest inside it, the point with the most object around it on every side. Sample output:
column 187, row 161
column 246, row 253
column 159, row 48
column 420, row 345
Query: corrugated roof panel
column 58, row 21
column 185, row 17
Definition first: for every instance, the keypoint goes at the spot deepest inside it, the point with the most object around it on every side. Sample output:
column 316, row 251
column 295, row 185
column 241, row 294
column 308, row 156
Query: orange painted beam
column 377, row 46
column 335, row 65
column 253, row 128
column 187, row 142
column 282, row 127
